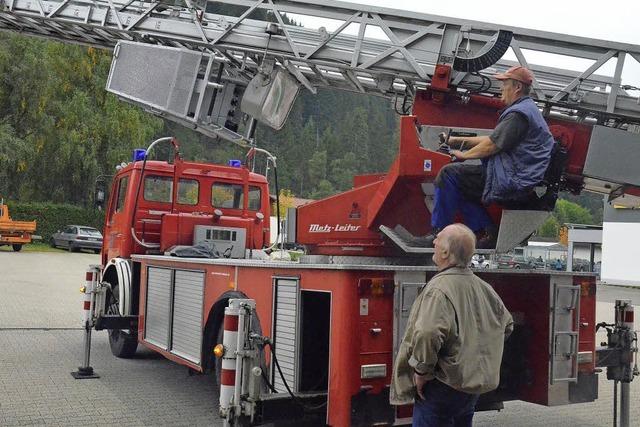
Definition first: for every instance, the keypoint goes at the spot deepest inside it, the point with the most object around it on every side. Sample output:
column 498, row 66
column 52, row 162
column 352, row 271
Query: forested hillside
column 59, row 129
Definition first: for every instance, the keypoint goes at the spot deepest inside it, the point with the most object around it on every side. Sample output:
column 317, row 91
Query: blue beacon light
column 235, row 163
column 138, row 154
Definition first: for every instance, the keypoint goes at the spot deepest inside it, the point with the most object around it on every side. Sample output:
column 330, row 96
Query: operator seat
column 544, row 196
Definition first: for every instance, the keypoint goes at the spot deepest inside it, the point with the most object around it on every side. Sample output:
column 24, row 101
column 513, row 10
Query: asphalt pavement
column 41, row 343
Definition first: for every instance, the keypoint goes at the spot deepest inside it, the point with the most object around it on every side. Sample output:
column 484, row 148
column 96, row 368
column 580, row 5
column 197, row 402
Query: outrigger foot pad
column 84, row 373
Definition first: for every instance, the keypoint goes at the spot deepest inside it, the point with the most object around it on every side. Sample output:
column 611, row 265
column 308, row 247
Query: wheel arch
column 215, row 319
column 123, row 273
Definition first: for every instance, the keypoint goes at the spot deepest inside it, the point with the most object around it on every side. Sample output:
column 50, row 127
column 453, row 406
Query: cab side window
column 122, row 192
column 254, row 198
column 119, row 196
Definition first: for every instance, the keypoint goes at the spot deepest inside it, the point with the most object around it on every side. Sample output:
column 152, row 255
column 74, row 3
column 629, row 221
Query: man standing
column 514, row 157
column 452, row 347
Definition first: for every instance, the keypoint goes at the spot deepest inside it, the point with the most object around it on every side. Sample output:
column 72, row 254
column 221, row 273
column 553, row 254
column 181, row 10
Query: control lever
column 444, row 144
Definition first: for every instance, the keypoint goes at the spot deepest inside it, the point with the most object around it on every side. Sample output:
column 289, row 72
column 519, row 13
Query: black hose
column 286, row 385
column 266, row 380
column 135, row 202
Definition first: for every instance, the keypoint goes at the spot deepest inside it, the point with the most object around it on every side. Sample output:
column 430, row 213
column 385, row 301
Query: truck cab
column 153, row 209
column 12, row 232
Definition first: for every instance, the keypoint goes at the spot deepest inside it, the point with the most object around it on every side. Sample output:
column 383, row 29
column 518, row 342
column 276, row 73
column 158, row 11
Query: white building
column 620, row 237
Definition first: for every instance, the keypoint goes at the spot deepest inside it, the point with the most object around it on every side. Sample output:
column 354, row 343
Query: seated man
column 514, row 160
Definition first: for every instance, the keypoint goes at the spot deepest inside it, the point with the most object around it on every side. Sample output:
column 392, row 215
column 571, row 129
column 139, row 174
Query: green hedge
column 52, row 217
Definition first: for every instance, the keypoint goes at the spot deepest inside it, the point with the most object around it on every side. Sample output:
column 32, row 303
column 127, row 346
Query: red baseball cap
column 518, row 73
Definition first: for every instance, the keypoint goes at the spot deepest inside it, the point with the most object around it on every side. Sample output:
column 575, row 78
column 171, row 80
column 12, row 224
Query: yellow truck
column 14, row 233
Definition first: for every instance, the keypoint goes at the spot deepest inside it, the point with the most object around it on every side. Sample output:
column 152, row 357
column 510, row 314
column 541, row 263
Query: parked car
column 77, row 237
column 538, row 263
column 515, row 262
column 580, row 264
column 478, row 261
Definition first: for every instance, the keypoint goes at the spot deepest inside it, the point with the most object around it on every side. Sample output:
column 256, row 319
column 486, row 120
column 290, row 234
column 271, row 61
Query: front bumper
column 87, row 244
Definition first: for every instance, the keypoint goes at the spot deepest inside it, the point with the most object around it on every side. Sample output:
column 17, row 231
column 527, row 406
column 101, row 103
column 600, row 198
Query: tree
column 356, row 137
column 343, row 170
column 12, row 148
column 324, row 189
column 550, row 228
column 317, row 167
column 572, row 213
column 565, row 212
column 71, row 131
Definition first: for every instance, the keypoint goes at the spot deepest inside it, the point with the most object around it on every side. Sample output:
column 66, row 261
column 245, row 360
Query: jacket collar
column 517, row 101
column 454, row 271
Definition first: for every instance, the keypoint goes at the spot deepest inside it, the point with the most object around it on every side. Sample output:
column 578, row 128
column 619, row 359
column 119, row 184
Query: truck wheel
column 123, row 343
column 16, row 247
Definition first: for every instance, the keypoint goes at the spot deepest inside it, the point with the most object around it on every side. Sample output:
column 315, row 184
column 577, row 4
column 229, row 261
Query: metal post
column 86, row 371
column 615, row 403
column 570, row 256
column 251, row 129
column 625, row 395
column 239, row 348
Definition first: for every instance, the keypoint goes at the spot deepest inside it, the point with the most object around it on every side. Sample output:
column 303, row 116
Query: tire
column 71, row 248
column 96, row 251
column 123, row 344
column 517, row 267
column 16, row 247
column 52, row 242
column 218, row 360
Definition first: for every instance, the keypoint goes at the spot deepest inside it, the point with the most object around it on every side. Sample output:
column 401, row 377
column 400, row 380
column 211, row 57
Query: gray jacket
column 455, row 333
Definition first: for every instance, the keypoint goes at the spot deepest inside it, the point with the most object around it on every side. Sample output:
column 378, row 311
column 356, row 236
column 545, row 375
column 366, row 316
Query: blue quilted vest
column 511, row 174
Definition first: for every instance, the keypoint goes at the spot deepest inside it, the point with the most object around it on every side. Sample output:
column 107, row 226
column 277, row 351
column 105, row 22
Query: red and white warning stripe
column 88, row 300
column 624, row 314
column 230, row 342
column 88, row 291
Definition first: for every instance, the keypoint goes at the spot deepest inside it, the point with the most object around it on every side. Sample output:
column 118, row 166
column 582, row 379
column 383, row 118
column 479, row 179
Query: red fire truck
column 186, row 268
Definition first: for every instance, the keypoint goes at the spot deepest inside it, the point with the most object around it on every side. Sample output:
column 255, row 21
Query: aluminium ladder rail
column 393, row 53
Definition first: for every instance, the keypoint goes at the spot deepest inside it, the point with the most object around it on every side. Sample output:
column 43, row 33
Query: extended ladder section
column 195, row 64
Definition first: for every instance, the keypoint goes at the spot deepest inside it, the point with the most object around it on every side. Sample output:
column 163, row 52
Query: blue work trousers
column 459, row 189
column 444, row 406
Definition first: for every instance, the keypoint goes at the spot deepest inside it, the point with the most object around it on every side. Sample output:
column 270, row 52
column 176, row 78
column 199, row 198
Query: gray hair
column 525, row 89
column 462, row 244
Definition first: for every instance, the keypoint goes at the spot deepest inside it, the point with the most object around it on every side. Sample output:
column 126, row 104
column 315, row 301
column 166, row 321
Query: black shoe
column 426, row 241
column 487, row 238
